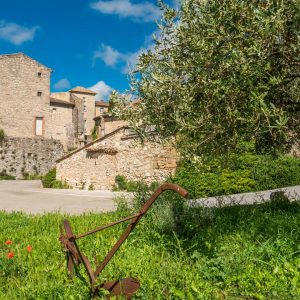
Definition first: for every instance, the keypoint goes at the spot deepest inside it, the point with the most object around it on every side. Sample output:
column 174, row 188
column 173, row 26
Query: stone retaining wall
column 20, row 156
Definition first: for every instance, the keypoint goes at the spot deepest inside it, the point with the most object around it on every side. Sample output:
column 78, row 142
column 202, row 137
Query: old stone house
column 34, row 120
column 24, row 96
column 29, row 110
column 119, row 152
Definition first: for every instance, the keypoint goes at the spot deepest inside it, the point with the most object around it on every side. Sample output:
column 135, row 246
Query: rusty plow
column 125, row 287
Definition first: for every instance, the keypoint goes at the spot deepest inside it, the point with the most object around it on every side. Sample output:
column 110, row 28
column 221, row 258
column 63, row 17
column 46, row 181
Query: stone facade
column 20, row 156
column 106, row 124
column 88, row 98
column 63, row 127
column 28, row 109
column 24, row 96
column 101, row 108
column 117, row 153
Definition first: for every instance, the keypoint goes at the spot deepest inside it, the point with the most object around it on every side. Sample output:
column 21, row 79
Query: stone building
column 101, row 108
column 117, row 153
column 36, row 122
column 24, row 96
column 83, row 103
column 28, row 110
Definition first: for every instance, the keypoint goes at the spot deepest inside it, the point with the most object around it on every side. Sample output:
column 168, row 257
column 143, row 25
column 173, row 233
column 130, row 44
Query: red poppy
column 8, row 242
column 10, row 255
column 29, row 248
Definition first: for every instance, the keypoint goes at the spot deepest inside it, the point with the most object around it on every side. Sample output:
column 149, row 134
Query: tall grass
column 177, row 252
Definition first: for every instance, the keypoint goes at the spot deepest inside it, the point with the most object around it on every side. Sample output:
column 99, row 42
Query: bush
column 2, row 135
column 5, row 176
column 246, row 172
column 49, row 181
column 122, row 184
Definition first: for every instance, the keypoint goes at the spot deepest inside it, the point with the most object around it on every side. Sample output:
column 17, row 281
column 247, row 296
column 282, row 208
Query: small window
column 39, row 94
column 39, row 126
column 39, row 74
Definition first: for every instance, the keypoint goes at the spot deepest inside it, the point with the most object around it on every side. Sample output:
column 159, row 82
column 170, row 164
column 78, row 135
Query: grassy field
column 250, row 252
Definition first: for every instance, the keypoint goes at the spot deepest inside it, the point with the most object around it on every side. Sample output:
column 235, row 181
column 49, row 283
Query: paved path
column 30, row 197
column 292, row 192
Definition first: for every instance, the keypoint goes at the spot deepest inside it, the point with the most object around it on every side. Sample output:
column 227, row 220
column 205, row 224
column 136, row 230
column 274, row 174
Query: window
column 39, row 94
column 39, row 125
column 101, row 109
column 39, row 74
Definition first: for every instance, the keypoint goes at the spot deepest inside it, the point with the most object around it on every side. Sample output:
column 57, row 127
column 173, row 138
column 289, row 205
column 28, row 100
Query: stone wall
column 28, row 155
column 116, row 154
column 89, row 110
column 63, row 128
column 24, row 95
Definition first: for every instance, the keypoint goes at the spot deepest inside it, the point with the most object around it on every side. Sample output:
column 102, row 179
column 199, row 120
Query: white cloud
column 102, row 89
column 63, row 84
column 16, row 34
column 140, row 12
column 125, row 61
column 110, row 56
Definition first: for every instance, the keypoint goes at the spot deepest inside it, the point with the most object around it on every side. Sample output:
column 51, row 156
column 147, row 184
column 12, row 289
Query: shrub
column 5, row 176
column 27, row 176
column 246, row 172
column 49, row 181
column 2, row 135
column 122, row 184
column 91, row 187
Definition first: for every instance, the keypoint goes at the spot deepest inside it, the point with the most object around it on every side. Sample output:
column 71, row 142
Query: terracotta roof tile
column 102, row 103
column 80, row 89
column 62, row 102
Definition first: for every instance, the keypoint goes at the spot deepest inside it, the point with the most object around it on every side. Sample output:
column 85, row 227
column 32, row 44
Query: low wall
column 19, row 156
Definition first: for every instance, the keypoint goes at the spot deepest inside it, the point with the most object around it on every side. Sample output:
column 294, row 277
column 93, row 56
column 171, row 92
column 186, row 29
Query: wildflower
column 8, row 242
column 29, row 248
column 10, row 255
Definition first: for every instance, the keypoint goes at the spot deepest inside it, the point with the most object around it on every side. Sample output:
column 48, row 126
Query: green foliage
column 91, row 187
column 27, row 176
column 2, row 135
column 221, row 72
column 246, row 172
column 49, row 181
column 242, row 252
column 5, row 176
column 122, row 184
column 94, row 133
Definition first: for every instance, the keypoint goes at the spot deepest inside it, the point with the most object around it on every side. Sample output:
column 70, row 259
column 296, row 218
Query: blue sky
column 86, row 42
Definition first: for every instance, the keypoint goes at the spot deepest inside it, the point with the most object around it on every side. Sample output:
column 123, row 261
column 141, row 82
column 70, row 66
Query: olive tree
column 221, row 72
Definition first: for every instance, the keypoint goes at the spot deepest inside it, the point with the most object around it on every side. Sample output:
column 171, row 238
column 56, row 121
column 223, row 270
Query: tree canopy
column 221, row 72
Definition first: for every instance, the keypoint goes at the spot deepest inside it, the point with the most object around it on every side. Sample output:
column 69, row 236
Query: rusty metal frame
column 128, row 286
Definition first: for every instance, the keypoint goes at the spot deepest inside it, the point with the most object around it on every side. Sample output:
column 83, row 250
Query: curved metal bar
column 69, row 241
column 168, row 186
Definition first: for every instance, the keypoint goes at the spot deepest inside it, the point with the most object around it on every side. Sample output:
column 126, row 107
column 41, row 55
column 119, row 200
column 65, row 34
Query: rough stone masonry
column 21, row 156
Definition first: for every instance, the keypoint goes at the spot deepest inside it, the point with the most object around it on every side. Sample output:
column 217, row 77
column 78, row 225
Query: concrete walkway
column 292, row 192
column 30, row 197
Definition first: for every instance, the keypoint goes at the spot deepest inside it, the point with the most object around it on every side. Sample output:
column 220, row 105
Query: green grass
column 250, row 252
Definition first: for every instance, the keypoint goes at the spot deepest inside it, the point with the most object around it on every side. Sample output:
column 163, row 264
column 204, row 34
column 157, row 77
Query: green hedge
column 243, row 173
column 49, row 181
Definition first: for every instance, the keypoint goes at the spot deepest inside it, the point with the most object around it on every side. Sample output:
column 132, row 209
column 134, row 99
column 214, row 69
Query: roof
column 91, row 143
column 102, row 103
column 28, row 57
column 80, row 89
column 61, row 102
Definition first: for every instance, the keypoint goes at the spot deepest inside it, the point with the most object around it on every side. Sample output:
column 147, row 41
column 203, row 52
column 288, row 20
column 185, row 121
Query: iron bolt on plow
column 125, row 287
